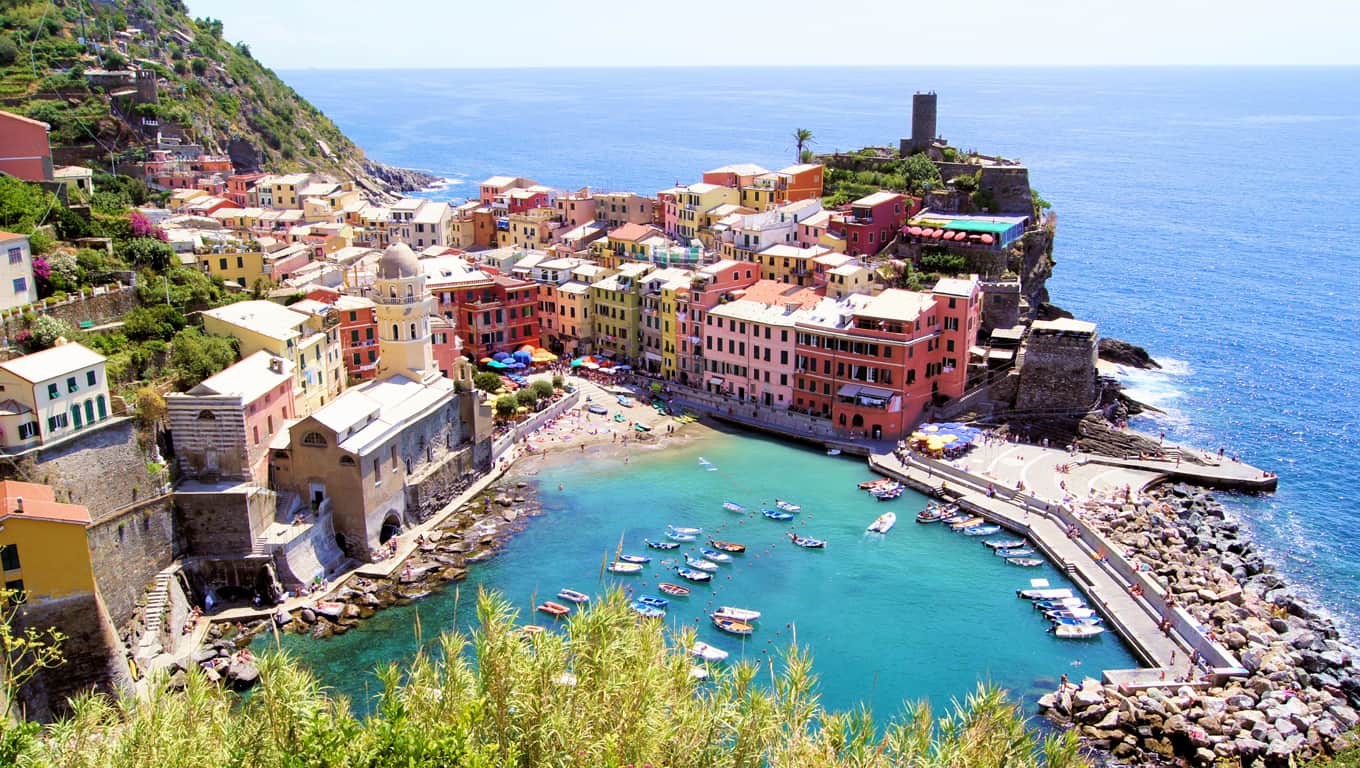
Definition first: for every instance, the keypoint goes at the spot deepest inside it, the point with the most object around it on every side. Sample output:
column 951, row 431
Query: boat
column 877, row 482
column 1043, row 594
column 889, row 495
column 1025, row 562
column 957, row 517
column 1077, row 631
column 787, row 506
column 930, row 515
column 684, row 530
column 777, row 514
column 697, row 672
column 626, row 401
column 598, row 410
column 693, row 575
column 673, row 536
column 530, row 630
column 661, row 544
column 883, row 523
column 572, row 596
column 707, row 652
column 715, row 556
column 674, row 590
column 1074, row 613
column 833, row 451
column 740, row 614
column 705, row 463
column 732, row 626
column 1065, row 604
column 640, row 427
column 727, row 546
column 1004, row 543
column 646, row 611
column 622, row 567
column 639, row 559
column 655, row 602
column 732, row 506
column 807, row 542
column 982, row 530
column 555, row 610
column 971, row 522
column 702, row 565
column 1017, row 552
column 1076, row 621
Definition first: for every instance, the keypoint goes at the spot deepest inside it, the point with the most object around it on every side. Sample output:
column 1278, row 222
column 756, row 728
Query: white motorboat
column 883, row 523
column 740, row 614
column 1078, row 631
column 707, row 652
column 701, row 565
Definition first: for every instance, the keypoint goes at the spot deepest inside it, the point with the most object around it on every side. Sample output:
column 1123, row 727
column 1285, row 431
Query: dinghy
column 661, row 544
column 777, row 514
column 883, row 523
column 572, row 596
column 1043, row 594
column 673, row 536
column 622, row 567
column 740, row 614
column 655, row 602
column 646, row 611
column 684, row 530
column 702, row 565
column 1025, row 562
column 732, row 506
column 1019, row 552
column 727, row 546
column 707, row 652
column 715, row 556
column 693, row 575
column 787, row 506
column 674, row 590
column 556, row 610
column 982, row 530
column 1004, row 543
column 639, row 559
column 732, row 626
column 807, row 542
column 1077, row 631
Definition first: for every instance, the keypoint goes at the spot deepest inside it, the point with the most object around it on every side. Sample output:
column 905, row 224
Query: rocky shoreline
column 1300, row 697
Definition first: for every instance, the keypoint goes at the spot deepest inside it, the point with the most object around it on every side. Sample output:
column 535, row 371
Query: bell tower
column 402, row 308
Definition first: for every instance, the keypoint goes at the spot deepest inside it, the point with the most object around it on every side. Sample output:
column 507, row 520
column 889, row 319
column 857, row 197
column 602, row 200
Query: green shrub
column 542, row 389
column 557, row 381
column 505, row 406
column 526, row 397
column 943, row 262
column 486, row 381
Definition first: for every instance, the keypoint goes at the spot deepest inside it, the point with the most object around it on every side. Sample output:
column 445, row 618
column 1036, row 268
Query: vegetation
column 802, row 137
column 505, row 406
column 542, row 389
column 24, row 652
column 610, row 691
column 914, row 175
column 943, row 262
column 486, row 381
column 194, row 356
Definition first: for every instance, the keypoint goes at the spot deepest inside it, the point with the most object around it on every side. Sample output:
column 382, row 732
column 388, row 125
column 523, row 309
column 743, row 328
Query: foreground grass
column 631, row 702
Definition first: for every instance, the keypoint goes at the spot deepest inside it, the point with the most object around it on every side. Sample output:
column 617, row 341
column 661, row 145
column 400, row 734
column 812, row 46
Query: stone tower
column 147, row 89
column 922, row 121
column 403, row 312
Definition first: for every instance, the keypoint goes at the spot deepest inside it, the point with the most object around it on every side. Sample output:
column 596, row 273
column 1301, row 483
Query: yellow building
column 43, row 548
column 674, row 306
column 616, row 309
column 789, row 263
column 694, row 204
column 310, row 342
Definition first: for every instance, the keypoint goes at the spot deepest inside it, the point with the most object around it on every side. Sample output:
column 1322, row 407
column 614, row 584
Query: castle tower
column 403, row 312
column 922, row 121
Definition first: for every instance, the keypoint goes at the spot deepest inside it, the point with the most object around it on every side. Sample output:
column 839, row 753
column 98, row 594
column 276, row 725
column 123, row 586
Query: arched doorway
column 391, row 527
column 857, row 421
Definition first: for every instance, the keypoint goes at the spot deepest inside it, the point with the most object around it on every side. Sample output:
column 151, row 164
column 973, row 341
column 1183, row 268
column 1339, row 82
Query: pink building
column 710, row 286
column 576, row 208
column 24, row 151
column 223, row 426
column 446, row 345
column 872, row 222
column 749, row 344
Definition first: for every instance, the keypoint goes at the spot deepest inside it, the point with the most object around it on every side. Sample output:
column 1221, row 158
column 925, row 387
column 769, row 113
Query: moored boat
column 661, row 544
column 674, row 590
column 883, row 523
column 572, row 596
column 1025, row 562
column 1076, row 621
column 715, row 556
column 646, row 611
column 740, row 614
column 971, row 522
column 957, row 517
column 877, row 482
column 655, row 602
column 693, row 575
column 807, row 542
column 732, row 626
column 673, row 536
column 622, row 567
column 930, row 515
column 732, row 506
column 1043, row 594
column 707, row 652
column 777, row 514
column 982, row 530
column 1077, row 631
column 1017, row 552
column 598, row 410
column 787, row 506
column 727, row 546
column 833, row 451
column 685, row 530
column 640, row 559
column 530, row 630
column 554, row 609
column 1004, row 543
column 700, row 564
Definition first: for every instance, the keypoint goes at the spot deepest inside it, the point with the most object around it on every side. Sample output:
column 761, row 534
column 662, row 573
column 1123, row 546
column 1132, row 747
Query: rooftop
column 740, row 169
column 248, row 379
column 366, row 416
column 499, row 181
column 955, row 286
column 1063, row 325
column 51, row 363
column 632, row 232
column 263, row 317
column 877, row 198
column 780, row 293
column 38, row 502
column 11, row 236
column 896, row 304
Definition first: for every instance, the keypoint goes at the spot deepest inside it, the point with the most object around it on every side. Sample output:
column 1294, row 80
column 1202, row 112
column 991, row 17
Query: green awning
column 990, row 227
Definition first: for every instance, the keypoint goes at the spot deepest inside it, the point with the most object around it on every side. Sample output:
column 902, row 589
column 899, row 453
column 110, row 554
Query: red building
column 24, row 151
column 872, row 222
column 358, row 332
column 490, row 312
column 874, row 364
column 240, row 186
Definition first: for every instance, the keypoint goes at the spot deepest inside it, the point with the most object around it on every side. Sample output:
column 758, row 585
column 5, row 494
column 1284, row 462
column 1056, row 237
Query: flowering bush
column 142, row 227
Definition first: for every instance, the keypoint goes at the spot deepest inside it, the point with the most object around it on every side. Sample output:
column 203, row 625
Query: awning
column 874, row 392
column 914, row 231
column 849, row 390
column 715, row 380
column 653, row 356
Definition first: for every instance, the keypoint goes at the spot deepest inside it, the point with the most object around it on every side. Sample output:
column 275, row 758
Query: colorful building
column 17, row 286
column 871, row 222
column 310, row 342
column 616, row 312
column 615, row 209
column 694, row 206
column 50, row 395
column 805, row 181
column 24, row 149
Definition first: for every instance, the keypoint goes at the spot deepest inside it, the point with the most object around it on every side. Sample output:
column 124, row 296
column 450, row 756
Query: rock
column 242, row 675
column 1334, row 659
column 1048, row 701
column 1278, row 750
column 1240, row 701
column 307, row 615
column 203, row 654
column 1285, row 727
column 1327, row 729
column 1110, row 721
column 350, row 611
column 1205, row 756
column 1249, row 747
column 1344, row 715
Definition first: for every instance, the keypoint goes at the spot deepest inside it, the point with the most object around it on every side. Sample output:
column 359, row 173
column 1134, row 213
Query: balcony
column 378, row 299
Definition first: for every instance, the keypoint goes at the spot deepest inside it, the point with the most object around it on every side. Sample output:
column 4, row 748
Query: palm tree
column 801, row 137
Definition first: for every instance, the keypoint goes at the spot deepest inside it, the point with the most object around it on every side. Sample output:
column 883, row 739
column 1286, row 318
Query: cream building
column 17, row 287
column 51, row 394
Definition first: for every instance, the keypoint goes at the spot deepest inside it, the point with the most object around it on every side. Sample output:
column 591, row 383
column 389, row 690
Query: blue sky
column 297, row 34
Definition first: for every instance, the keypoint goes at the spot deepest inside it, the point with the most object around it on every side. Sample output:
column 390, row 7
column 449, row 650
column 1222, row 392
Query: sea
column 1206, row 214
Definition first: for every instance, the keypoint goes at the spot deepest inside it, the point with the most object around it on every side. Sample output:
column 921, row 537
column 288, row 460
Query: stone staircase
column 157, row 603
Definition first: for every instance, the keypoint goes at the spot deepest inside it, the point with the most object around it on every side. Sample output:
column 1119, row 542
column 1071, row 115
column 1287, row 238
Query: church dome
column 397, row 262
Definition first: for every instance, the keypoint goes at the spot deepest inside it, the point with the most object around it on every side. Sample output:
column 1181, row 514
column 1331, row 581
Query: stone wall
column 229, row 581
column 1000, row 305
column 127, row 550
column 91, row 651
column 314, row 552
column 1057, row 372
column 223, row 522
column 440, row 483
column 104, row 308
column 102, row 468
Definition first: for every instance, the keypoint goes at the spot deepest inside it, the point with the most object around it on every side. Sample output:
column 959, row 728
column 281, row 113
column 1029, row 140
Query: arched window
column 206, row 416
column 395, row 334
column 410, row 290
column 413, row 330
column 347, row 461
column 392, row 291
column 314, row 439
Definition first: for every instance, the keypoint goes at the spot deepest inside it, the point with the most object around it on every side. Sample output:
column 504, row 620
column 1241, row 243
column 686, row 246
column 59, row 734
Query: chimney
column 18, row 505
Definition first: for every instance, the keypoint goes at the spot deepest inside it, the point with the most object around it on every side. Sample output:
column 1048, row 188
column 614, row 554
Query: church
column 387, row 454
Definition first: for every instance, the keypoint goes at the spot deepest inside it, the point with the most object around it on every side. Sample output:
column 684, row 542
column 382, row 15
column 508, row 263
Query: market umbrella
column 578, row 362
column 498, row 365
column 486, row 360
column 501, row 355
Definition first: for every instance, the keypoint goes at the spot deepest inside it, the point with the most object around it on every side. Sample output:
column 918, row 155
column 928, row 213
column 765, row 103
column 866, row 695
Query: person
column 1062, row 683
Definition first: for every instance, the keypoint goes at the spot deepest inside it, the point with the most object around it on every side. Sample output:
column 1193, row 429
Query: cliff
column 110, row 77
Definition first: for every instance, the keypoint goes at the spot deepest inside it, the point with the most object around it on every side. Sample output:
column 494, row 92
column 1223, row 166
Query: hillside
column 67, row 63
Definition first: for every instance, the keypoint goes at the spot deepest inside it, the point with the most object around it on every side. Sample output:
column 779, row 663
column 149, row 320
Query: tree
column 801, row 138
column 194, row 356
column 558, row 381
column 8, row 50
column 526, row 397
column 147, row 252
column 486, row 381
column 921, row 174
column 151, row 408
column 158, row 321
column 505, row 406
column 24, row 651
column 543, row 389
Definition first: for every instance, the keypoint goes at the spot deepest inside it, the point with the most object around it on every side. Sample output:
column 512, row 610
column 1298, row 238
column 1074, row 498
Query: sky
column 413, row 34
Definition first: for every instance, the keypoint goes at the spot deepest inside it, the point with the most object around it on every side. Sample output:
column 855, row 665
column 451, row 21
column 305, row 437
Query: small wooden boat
column 732, row 506
column 982, row 530
column 1017, row 552
column 693, row 575
column 883, row 523
column 958, row 517
column 889, row 495
column 598, row 410
column 740, row 614
column 971, row 522
column 1004, row 543
column 639, row 559
column 807, row 542
column 929, row 515
column 715, row 556
column 530, row 630
column 699, row 564
column 655, row 602
column 684, row 530
column 640, row 427
column 787, row 506
column 1025, row 562
column 777, row 514
column 556, row 610
column 331, row 609
column 674, row 590
column 622, row 567
column 732, row 626
column 1043, row 594
column 1076, row 621
column 1072, row 613
column 1077, row 631
column 572, row 596
column 661, row 544
column 727, row 546
column 673, row 536
column 877, row 482
column 646, row 611
column 707, row 652
column 1065, row 604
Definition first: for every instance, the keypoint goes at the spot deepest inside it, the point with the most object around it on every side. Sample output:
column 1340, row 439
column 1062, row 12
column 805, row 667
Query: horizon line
column 813, row 66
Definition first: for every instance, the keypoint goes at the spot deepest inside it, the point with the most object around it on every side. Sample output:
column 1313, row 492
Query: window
column 75, row 414
column 56, row 422
column 222, row 263
column 52, row 392
column 377, row 472
column 240, row 263
column 354, row 336
column 315, row 439
column 347, row 461
column 368, row 334
column 90, row 378
column 71, row 385
column 16, row 255
column 28, row 431
column 357, row 358
column 353, row 316
column 9, row 557
column 255, row 434
column 99, row 404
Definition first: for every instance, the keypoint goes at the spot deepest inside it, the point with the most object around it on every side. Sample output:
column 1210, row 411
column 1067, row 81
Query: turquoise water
column 921, row 613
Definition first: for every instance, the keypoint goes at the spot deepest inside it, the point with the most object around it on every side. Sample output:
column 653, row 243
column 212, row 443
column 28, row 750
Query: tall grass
column 612, row 690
